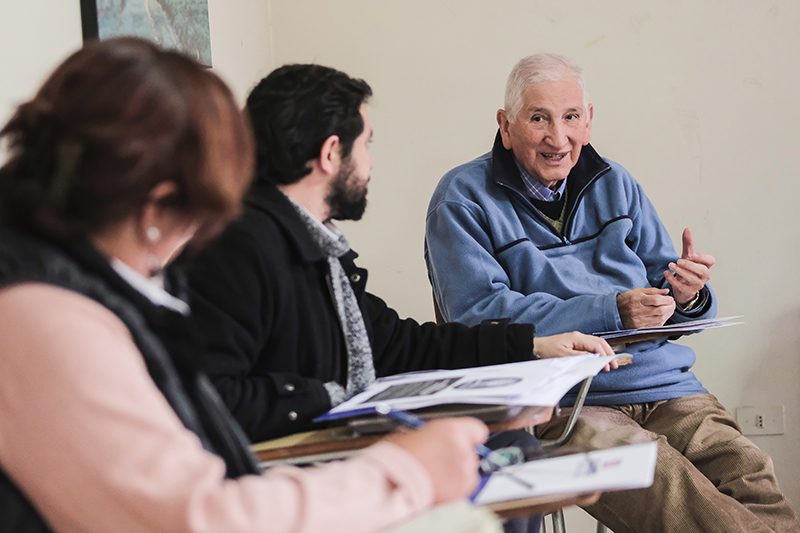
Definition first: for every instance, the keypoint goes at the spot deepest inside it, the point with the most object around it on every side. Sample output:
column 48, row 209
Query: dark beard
column 345, row 200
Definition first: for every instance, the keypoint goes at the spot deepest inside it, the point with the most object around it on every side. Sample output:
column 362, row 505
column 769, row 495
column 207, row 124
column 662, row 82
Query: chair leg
column 559, row 525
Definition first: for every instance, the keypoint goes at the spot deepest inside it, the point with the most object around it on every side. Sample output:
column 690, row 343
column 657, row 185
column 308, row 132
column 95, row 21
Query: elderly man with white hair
column 543, row 229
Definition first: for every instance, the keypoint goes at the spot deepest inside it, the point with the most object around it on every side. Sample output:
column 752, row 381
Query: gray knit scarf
column 360, row 368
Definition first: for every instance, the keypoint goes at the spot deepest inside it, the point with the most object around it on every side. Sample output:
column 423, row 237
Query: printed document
column 619, row 468
column 530, row 383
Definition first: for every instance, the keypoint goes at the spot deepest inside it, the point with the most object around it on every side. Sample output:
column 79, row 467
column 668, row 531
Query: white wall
column 697, row 99
column 36, row 35
column 240, row 42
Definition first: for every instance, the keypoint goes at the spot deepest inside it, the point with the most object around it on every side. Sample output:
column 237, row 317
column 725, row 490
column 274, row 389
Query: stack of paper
column 668, row 330
column 530, row 383
column 620, row 468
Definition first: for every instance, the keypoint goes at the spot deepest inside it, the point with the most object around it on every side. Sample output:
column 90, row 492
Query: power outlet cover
column 761, row 420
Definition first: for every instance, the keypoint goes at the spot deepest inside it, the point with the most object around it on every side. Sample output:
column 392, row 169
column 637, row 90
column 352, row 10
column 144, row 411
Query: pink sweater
column 85, row 433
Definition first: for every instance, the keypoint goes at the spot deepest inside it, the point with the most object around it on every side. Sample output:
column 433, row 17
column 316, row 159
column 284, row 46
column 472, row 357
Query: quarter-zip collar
column 504, row 170
column 587, row 170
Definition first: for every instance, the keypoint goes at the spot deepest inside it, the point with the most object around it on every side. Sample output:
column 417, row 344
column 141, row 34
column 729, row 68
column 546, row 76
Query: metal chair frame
column 557, row 517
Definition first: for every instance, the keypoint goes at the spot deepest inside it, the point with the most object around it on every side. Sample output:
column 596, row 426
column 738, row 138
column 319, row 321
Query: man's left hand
column 689, row 274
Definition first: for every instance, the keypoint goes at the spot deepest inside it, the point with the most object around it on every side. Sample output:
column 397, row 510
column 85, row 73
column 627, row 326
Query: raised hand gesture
column 690, row 273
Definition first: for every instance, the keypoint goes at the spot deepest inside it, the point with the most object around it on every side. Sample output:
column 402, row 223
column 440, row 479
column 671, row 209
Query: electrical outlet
column 761, row 420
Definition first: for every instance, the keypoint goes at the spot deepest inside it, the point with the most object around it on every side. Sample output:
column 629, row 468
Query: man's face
column 549, row 130
column 347, row 198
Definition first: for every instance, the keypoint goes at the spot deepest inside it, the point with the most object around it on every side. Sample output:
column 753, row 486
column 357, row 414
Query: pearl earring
column 153, row 234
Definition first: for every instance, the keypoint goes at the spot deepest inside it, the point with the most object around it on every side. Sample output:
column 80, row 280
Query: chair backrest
column 436, row 312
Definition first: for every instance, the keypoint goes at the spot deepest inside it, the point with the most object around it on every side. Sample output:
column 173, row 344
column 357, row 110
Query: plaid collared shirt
column 535, row 189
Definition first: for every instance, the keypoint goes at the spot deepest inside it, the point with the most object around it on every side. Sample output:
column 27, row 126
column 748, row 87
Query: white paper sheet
column 623, row 467
column 531, row 383
column 668, row 330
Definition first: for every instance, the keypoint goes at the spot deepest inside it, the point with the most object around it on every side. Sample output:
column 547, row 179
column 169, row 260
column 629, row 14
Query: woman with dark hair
column 126, row 154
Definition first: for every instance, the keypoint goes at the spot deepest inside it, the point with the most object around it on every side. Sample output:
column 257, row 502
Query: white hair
column 538, row 68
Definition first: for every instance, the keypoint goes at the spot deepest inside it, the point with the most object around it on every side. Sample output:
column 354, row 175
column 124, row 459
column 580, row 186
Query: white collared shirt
column 152, row 289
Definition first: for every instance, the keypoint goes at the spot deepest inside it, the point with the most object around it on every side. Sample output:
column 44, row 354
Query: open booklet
column 667, row 330
column 620, row 468
column 531, row 383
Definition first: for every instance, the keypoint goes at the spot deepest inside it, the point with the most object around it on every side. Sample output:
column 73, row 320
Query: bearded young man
column 288, row 325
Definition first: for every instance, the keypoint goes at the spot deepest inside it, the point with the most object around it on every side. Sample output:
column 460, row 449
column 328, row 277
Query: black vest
column 165, row 339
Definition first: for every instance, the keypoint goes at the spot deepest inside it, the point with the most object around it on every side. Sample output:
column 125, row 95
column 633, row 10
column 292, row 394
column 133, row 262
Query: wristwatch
column 690, row 305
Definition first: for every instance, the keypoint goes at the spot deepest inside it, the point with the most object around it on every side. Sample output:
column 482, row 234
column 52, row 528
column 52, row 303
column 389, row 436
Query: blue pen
column 492, row 461
column 413, row 421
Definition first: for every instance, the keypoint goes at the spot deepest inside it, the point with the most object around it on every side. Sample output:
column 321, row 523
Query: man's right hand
column 643, row 308
column 446, row 449
column 572, row 343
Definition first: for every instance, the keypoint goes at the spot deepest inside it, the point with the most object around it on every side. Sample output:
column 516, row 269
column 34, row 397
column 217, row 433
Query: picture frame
column 174, row 24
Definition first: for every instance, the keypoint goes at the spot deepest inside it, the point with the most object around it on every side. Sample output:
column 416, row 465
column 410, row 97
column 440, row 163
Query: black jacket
column 260, row 295
column 165, row 339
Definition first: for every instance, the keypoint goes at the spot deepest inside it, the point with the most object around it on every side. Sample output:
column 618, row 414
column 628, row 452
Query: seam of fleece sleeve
column 612, row 319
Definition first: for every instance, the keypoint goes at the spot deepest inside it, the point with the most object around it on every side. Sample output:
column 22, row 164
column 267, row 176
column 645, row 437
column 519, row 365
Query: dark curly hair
column 111, row 122
column 292, row 112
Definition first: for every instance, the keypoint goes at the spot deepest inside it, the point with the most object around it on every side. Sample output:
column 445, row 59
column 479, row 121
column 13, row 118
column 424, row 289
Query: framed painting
column 176, row 24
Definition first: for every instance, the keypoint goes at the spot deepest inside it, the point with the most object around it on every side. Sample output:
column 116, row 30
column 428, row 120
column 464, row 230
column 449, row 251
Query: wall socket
column 761, row 420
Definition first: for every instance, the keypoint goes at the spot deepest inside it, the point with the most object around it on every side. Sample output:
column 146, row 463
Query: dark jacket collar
column 74, row 263
column 267, row 199
column 166, row 339
column 505, row 172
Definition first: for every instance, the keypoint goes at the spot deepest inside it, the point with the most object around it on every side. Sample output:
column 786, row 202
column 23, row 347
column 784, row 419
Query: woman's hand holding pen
column 446, row 450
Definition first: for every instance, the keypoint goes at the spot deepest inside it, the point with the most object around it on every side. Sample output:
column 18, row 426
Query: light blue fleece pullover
column 491, row 254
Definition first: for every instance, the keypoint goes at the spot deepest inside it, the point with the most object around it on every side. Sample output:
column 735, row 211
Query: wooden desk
column 312, row 446
column 339, row 442
column 541, row 505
